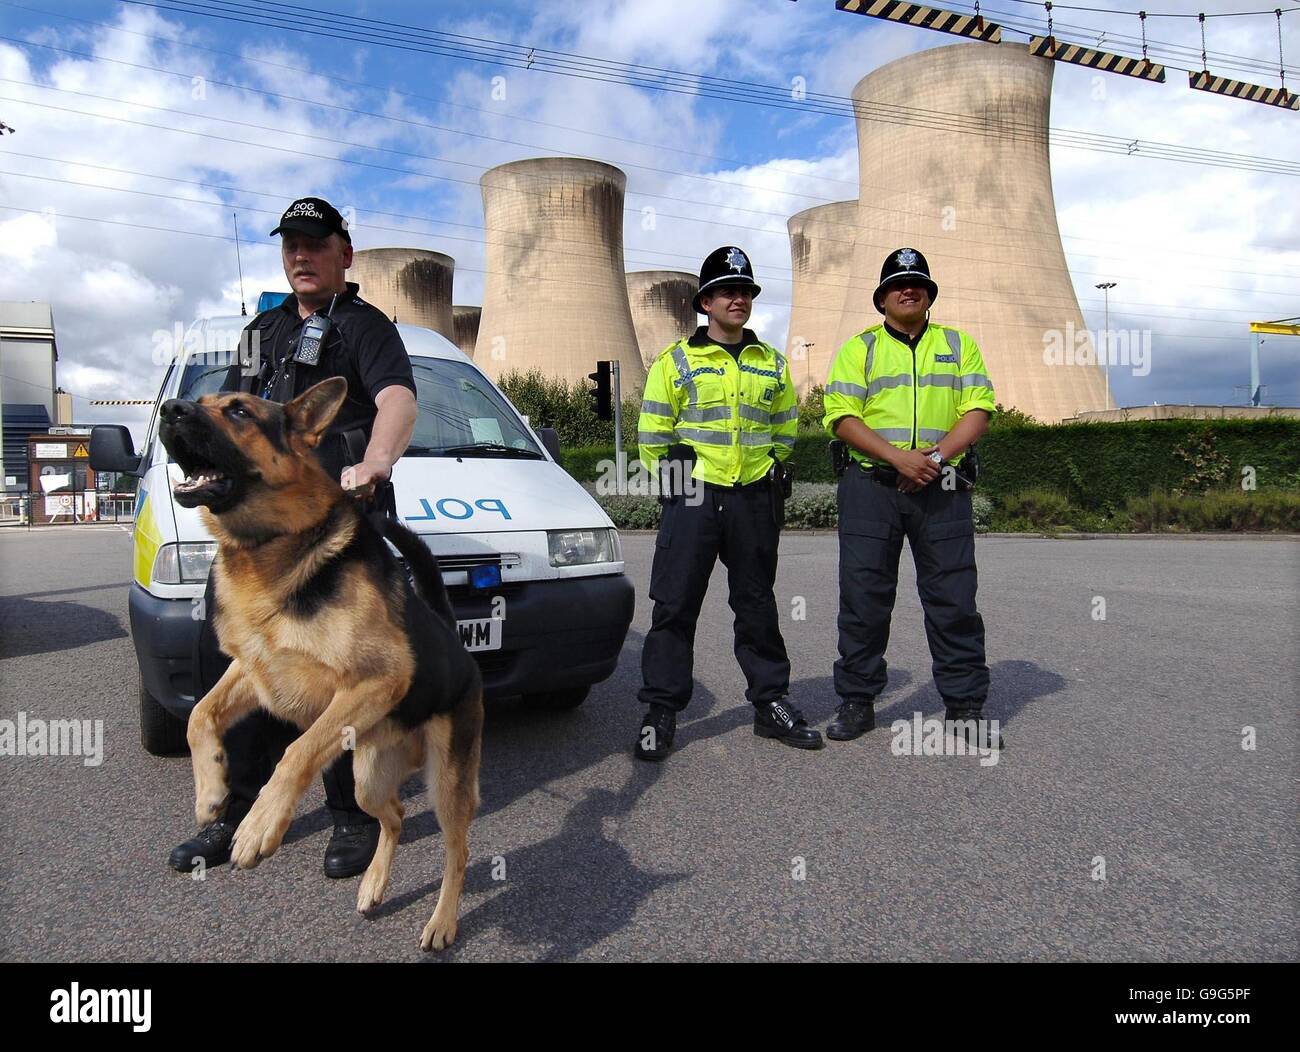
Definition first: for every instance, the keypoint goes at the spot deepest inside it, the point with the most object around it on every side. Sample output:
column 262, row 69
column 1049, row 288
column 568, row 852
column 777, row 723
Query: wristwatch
column 936, row 458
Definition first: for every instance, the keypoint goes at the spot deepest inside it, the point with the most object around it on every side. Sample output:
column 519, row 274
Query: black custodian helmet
column 727, row 265
column 906, row 263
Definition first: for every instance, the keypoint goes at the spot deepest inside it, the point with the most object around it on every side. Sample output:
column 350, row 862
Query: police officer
column 371, row 431
column 724, row 402
column 909, row 398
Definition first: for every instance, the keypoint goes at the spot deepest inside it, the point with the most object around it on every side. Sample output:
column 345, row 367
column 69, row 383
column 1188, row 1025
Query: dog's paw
column 371, row 892
column 209, row 806
column 259, row 834
column 439, row 933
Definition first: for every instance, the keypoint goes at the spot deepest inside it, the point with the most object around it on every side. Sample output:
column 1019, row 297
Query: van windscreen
column 460, row 412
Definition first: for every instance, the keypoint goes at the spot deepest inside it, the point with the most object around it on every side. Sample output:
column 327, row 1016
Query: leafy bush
column 549, row 402
column 1222, row 509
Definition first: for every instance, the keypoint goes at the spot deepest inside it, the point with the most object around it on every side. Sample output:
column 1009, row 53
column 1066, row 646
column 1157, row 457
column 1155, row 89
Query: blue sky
column 1197, row 251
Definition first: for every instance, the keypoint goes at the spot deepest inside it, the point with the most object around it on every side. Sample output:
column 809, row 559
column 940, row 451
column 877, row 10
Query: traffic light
column 601, row 395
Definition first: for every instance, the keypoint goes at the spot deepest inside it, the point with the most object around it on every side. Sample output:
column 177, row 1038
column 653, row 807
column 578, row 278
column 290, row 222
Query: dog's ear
column 311, row 412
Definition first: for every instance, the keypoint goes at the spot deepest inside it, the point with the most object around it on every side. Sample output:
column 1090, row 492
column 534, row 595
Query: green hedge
column 1096, row 467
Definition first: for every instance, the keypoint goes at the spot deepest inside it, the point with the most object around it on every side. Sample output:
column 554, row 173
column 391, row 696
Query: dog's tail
column 423, row 566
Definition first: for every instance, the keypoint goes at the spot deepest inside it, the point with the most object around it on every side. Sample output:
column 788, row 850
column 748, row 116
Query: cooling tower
column 955, row 164
column 554, row 297
column 464, row 321
column 411, row 283
column 821, row 257
column 661, row 309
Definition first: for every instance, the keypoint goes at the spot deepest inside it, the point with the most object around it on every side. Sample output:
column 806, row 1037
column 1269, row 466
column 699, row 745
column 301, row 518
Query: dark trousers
column 874, row 519
column 739, row 526
column 254, row 745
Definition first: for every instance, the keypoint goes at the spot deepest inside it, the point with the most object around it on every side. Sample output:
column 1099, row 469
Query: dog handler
column 724, row 401
column 908, row 398
column 323, row 329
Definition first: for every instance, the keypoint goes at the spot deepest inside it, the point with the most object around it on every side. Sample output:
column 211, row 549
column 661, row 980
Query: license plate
column 484, row 634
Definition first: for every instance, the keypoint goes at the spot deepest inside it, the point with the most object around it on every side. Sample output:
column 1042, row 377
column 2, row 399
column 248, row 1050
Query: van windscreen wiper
column 485, row 449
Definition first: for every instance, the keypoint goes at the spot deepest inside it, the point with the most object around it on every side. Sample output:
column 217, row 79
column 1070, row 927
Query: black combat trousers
column 739, row 525
column 874, row 519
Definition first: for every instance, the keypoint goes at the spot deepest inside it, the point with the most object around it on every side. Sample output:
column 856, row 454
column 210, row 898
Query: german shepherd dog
column 325, row 632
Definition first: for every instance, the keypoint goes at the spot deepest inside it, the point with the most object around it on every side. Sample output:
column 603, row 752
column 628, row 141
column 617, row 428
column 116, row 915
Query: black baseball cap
column 315, row 217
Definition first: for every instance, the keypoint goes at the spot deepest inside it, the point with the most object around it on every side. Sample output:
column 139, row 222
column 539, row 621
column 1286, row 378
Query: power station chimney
column 661, row 309
column 821, row 258
column 464, row 321
column 412, row 284
column 554, row 296
column 953, row 161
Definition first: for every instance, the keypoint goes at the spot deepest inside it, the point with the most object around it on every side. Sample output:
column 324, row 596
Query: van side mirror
column 111, row 449
column 551, row 440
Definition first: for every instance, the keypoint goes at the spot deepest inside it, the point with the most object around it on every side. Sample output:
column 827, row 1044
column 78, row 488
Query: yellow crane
column 1284, row 327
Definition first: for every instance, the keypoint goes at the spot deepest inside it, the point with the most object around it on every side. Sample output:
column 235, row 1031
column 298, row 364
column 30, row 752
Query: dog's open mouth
column 202, row 485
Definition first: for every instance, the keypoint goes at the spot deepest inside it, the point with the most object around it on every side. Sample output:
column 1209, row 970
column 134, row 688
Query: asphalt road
column 1125, row 745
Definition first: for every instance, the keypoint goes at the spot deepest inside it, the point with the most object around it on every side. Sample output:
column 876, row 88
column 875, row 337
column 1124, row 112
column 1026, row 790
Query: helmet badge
column 736, row 260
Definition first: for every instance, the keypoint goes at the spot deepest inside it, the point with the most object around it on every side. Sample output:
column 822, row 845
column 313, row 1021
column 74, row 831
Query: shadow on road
column 28, row 626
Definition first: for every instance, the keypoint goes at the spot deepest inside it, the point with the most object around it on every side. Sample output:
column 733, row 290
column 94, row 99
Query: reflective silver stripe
column 709, row 438
column 756, row 438
column 654, row 438
column 894, row 434
column 901, row 380
column 953, row 380
column 684, row 371
column 785, row 415
column 840, row 387
column 869, row 338
column 929, row 434
column 658, row 408
column 785, row 440
column 759, row 416
column 954, row 341
column 703, row 416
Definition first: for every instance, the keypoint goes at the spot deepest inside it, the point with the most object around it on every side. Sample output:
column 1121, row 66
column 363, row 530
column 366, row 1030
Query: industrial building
column 973, row 192
column 661, row 309
column 410, row 285
column 821, row 258
column 555, row 297
column 30, row 400
column 464, row 323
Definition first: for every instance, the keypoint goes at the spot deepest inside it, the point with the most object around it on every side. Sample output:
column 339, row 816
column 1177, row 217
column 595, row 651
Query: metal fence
column 16, row 510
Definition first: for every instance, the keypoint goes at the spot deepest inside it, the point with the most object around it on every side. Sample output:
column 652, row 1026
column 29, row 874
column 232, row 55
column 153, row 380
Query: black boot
column 655, row 737
column 778, row 720
column 968, row 721
column 853, row 719
column 352, row 844
column 211, row 843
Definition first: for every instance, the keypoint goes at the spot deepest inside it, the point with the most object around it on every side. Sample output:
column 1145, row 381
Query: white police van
column 532, row 563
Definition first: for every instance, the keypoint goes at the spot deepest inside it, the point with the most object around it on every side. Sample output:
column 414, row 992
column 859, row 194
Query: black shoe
column 211, row 844
column 351, row 848
column 976, row 735
column 655, row 737
column 853, row 719
column 778, row 720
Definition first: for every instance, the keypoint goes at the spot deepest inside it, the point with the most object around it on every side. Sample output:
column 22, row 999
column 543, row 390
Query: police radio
column 315, row 330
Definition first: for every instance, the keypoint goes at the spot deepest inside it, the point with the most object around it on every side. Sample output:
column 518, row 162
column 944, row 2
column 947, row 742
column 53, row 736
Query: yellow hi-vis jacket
column 910, row 399
column 736, row 414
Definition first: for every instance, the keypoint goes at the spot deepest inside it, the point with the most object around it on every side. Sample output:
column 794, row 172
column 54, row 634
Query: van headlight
column 187, row 562
column 579, row 547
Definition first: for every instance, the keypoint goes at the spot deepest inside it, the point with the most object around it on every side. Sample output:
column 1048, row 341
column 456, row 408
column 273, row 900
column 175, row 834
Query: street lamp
column 1105, row 287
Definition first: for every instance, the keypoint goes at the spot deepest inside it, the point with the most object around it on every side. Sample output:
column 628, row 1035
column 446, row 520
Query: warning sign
column 81, row 450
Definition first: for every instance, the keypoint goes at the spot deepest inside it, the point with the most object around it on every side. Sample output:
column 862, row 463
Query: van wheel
column 161, row 733
column 559, row 699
